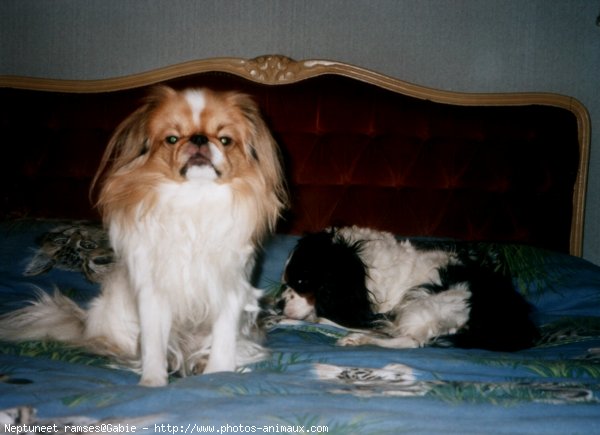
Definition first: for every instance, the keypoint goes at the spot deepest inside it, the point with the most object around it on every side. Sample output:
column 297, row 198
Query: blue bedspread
column 308, row 384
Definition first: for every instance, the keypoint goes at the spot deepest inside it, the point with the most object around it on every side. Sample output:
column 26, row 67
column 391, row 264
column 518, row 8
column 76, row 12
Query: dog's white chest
column 190, row 246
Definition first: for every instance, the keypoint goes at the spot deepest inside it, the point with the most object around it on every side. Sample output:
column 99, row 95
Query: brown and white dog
column 189, row 185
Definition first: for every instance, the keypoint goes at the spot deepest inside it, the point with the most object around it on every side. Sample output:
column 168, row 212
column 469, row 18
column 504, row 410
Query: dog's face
column 305, row 277
column 198, row 134
column 192, row 136
column 325, row 277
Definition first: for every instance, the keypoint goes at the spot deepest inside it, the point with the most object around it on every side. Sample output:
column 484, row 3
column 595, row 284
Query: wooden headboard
column 359, row 147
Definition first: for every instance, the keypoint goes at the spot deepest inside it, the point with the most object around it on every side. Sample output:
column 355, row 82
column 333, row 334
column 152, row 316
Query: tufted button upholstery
column 353, row 152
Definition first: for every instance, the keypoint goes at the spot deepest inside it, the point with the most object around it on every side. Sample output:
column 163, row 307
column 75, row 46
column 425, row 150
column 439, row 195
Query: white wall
column 462, row 45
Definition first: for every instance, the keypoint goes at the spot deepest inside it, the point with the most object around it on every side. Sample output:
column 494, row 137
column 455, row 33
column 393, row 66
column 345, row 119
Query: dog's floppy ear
column 130, row 139
column 262, row 148
column 128, row 142
column 346, row 299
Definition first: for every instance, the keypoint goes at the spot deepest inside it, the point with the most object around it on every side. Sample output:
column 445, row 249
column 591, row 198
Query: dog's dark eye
column 171, row 140
column 225, row 140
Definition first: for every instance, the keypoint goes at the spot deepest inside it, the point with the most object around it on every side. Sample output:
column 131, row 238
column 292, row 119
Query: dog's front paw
column 154, row 381
column 217, row 363
column 354, row 339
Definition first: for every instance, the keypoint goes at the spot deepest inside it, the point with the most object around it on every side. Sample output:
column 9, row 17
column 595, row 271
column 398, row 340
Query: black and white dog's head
column 325, row 277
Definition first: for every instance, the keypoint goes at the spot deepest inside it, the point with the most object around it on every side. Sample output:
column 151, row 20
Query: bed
column 503, row 172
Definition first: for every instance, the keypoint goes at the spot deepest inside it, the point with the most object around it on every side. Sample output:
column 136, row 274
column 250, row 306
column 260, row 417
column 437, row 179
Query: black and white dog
column 401, row 294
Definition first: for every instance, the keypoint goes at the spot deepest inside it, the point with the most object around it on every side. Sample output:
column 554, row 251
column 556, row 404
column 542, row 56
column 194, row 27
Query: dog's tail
column 50, row 317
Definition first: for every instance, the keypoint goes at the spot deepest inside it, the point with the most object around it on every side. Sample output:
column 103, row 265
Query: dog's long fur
column 190, row 184
column 401, row 295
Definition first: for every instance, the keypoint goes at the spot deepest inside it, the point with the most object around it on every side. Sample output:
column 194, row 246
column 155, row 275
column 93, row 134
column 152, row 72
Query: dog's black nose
column 199, row 139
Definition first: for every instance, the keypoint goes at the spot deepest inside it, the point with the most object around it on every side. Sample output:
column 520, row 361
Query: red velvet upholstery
column 354, row 153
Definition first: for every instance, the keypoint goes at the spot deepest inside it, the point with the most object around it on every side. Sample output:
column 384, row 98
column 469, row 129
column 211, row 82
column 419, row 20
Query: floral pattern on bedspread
column 310, row 384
